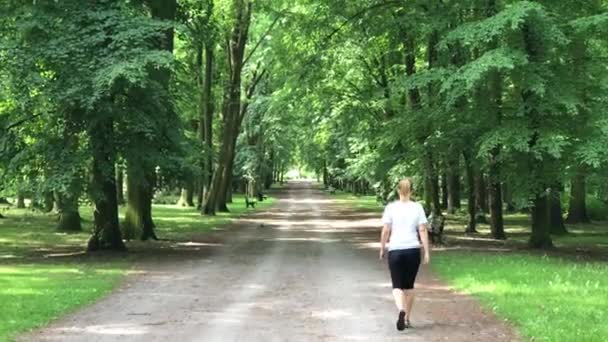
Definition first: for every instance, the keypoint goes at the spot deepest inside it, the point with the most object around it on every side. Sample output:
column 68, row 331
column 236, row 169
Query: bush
column 165, row 197
column 597, row 209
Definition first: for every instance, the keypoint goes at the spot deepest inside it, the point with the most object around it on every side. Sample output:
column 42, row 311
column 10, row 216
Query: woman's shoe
column 401, row 321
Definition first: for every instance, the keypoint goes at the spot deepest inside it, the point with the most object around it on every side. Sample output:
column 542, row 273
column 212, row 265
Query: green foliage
column 597, row 209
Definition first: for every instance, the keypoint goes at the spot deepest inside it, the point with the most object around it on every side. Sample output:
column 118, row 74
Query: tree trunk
column 481, row 197
column 221, row 205
column 206, row 119
column 556, row 218
column 140, row 187
column 507, row 194
column 495, row 192
column 67, row 208
column 494, row 178
column 457, row 192
column 190, row 195
column 183, row 201
column 211, row 200
column 444, row 191
column 69, row 220
column 49, row 201
column 471, row 202
column 55, row 202
column 541, row 223
column 496, row 217
column 325, row 175
column 120, row 180
column 187, row 195
column 453, row 186
column 209, row 203
column 232, row 106
column 577, row 209
column 229, row 193
column 20, row 200
column 141, row 174
column 106, row 231
column 433, row 183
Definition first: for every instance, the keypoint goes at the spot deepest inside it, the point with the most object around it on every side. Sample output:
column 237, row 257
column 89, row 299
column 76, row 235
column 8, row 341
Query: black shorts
column 404, row 264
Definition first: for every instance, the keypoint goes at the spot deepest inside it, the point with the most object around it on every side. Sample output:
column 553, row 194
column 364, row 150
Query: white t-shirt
column 404, row 218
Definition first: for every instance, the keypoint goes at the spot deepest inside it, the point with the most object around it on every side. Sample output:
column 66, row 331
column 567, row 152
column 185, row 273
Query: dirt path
column 307, row 270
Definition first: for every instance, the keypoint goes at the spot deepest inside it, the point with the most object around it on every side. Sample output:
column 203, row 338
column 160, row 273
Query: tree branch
column 255, row 80
column 327, row 38
column 21, row 122
column 266, row 33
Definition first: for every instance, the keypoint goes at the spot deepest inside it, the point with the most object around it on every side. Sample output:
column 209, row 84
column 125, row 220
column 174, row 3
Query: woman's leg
column 413, row 264
column 409, row 302
column 400, row 299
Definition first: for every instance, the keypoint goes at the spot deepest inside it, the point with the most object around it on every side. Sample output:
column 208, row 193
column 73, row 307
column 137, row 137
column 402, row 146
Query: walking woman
column 404, row 230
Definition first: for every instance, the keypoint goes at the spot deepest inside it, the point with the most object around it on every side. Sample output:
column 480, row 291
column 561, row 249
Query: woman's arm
column 424, row 237
column 384, row 236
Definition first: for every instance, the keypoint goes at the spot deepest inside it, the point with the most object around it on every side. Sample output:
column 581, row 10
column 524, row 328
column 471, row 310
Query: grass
column 25, row 233
column 36, row 288
column 517, row 226
column 359, row 202
column 34, row 294
column 546, row 298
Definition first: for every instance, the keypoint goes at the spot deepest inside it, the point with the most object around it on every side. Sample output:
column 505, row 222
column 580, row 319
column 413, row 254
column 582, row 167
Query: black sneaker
column 401, row 321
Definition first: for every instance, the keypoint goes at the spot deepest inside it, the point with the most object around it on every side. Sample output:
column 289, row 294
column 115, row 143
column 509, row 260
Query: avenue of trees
column 499, row 105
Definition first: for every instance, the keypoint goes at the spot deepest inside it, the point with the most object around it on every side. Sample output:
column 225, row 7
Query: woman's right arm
column 424, row 237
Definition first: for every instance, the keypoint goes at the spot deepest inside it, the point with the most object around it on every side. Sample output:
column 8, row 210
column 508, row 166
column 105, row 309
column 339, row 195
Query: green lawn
column 33, row 294
column 547, row 298
column 35, row 287
column 25, row 233
column 517, row 226
column 359, row 202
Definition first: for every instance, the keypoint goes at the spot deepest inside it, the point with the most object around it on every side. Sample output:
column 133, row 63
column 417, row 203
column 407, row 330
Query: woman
column 405, row 225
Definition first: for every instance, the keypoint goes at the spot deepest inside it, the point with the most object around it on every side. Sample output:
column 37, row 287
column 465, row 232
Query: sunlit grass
column 547, row 298
column 517, row 226
column 24, row 232
column 33, row 294
column 359, row 202
column 177, row 222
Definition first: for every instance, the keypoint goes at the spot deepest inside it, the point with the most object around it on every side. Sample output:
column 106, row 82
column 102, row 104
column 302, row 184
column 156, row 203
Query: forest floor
column 305, row 270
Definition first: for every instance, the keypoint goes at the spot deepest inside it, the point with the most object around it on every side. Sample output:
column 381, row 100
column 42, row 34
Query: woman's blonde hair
column 405, row 186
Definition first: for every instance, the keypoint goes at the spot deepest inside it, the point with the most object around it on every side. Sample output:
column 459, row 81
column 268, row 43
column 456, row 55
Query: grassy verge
column 547, row 298
column 34, row 294
column 359, row 202
column 24, row 233
column 517, row 226
column 35, row 288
